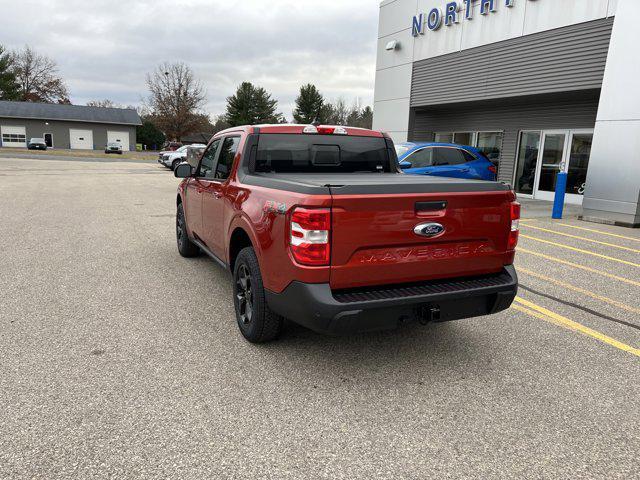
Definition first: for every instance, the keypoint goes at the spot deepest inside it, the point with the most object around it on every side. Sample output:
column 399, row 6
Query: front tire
column 186, row 247
column 256, row 321
column 175, row 164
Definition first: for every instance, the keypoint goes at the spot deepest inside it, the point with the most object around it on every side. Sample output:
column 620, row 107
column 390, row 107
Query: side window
column 227, row 154
column 468, row 157
column 448, row 156
column 421, row 158
column 208, row 159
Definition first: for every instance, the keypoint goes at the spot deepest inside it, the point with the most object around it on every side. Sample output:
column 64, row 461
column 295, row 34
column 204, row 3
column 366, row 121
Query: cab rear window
column 293, row 153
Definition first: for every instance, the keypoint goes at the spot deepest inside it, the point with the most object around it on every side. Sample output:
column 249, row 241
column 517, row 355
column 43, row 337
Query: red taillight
column 515, row 226
column 493, row 169
column 325, row 130
column 310, row 236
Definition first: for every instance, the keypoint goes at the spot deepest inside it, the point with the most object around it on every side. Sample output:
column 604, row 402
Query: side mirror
column 404, row 164
column 183, row 170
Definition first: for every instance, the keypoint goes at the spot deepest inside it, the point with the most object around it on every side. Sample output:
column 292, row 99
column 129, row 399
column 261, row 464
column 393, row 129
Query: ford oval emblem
column 428, row 230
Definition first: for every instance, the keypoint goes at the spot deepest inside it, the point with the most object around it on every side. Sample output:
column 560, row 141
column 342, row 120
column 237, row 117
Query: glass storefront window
column 463, row 138
column 490, row 143
column 444, row 137
column 552, row 154
column 578, row 162
column 527, row 162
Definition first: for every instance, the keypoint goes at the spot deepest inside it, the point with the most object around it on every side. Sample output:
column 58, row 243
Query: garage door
column 13, row 136
column 81, row 139
column 119, row 137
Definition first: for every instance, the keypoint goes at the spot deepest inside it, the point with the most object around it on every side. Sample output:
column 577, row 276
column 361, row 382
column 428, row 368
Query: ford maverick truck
column 318, row 225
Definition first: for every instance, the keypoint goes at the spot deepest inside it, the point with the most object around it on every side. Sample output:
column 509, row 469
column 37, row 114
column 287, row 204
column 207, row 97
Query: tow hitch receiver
column 428, row 313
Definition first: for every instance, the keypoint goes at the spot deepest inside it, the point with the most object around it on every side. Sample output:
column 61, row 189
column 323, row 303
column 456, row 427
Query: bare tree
column 336, row 113
column 106, row 103
column 38, row 77
column 176, row 99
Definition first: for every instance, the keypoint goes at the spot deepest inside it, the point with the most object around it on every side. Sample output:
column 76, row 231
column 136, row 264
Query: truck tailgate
column 374, row 243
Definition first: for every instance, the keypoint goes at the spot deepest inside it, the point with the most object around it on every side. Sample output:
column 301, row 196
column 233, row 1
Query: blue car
column 445, row 160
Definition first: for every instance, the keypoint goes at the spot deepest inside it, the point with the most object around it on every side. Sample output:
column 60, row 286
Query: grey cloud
column 105, row 48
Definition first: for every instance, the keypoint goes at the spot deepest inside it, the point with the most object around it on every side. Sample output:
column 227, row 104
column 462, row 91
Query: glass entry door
column 550, row 163
column 563, row 151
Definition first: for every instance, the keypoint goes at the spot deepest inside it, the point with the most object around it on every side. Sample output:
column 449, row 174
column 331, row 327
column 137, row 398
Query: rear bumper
column 317, row 307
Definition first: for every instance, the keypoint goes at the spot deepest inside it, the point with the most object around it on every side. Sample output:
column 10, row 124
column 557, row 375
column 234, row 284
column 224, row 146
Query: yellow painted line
column 547, row 315
column 577, row 265
column 588, row 293
column 586, row 252
column 584, row 239
column 602, row 232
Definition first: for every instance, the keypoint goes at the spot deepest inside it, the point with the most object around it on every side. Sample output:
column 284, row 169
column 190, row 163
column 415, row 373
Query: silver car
column 113, row 147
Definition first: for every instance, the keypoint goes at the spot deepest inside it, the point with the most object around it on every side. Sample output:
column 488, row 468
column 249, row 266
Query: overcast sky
column 104, row 48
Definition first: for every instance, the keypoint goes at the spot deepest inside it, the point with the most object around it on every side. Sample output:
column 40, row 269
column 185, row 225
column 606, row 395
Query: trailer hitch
column 428, row 313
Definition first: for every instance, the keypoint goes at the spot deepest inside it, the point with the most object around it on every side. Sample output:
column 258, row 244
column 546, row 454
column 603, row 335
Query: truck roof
column 293, row 128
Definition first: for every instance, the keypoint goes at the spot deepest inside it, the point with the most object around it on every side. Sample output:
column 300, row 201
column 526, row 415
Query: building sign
column 453, row 13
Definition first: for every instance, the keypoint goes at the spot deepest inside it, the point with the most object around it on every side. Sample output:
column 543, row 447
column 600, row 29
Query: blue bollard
column 558, row 200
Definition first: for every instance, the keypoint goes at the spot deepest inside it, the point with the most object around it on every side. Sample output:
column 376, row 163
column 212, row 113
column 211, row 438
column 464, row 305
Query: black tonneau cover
column 368, row 183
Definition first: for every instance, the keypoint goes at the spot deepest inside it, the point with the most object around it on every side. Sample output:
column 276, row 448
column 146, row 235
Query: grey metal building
column 491, row 94
column 67, row 126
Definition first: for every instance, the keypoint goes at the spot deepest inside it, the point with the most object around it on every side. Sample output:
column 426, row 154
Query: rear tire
column 185, row 246
column 257, row 322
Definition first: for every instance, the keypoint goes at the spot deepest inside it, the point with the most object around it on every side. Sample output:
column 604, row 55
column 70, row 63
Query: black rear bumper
column 317, row 307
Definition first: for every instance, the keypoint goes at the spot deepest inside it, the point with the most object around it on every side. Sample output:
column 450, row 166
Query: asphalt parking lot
column 121, row 359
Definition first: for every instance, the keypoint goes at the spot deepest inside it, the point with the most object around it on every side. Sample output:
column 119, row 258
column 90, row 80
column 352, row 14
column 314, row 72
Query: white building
column 539, row 85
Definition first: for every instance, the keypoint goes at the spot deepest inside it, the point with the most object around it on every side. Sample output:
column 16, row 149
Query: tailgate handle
column 431, row 206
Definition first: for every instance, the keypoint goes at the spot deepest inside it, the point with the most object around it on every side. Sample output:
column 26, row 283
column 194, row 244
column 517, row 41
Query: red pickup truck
column 318, row 225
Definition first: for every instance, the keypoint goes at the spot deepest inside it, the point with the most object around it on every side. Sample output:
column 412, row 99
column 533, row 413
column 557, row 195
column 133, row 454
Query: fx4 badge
column 274, row 207
column 428, row 229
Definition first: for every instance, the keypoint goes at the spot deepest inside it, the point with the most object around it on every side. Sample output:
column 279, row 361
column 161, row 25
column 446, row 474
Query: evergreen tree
column 309, row 105
column 9, row 87
column 150, row 135
column 251, row 105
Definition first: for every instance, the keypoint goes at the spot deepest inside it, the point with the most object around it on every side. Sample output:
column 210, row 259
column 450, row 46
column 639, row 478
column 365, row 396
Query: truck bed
column 368, row 183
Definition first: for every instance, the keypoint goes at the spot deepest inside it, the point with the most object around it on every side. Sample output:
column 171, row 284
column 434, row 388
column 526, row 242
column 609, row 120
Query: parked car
column 164, row 152
column 445, row 160
column 318, row 225
column 113, row 147
column 37, row 144
column 171, row 146
column 172, row 159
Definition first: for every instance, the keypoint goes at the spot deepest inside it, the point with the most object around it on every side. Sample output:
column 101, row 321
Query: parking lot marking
column 579, row 307
column 577, row 265
column 568, row 286
column 586, row 252
column 542, row 313
column 599, row 231
column 635, row 250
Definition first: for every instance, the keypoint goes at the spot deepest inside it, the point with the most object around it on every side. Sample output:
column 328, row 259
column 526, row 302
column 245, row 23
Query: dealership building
column 67, row 126
column 541, row 86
